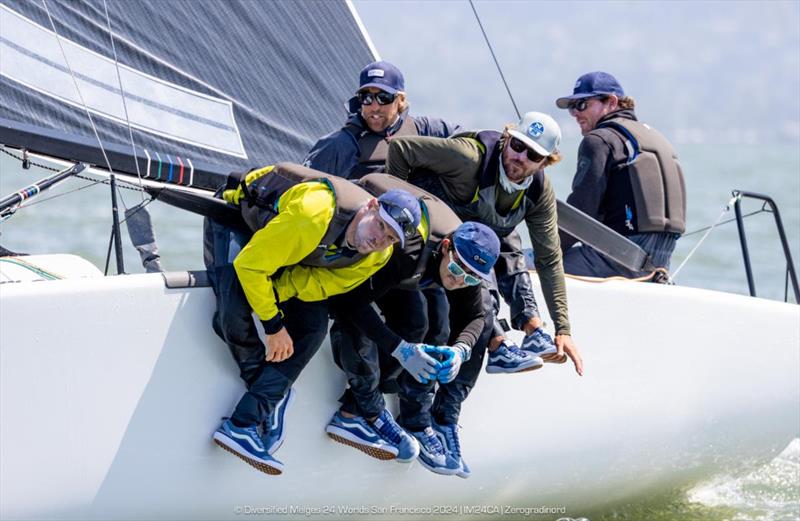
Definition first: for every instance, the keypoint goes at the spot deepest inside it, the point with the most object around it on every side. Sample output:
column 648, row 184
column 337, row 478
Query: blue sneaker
column 448, row 436
column 540, row 344
column 245, row 443
column 432, row 454
column 390, row 431
column 508, row 358
column 274, row 427
column 358, row 433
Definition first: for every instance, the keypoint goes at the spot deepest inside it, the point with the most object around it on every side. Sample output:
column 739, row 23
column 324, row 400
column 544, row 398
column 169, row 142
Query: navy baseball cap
column 382, row 75
column 400, row 210
column 592, row 84
column 478, row 247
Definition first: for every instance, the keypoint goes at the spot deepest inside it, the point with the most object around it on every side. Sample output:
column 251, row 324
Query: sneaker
column 508, row 358
column 390, row 431
column 274, row 427
column 448, row 436
column 540, row 344
column 245, row 443
column 358, row 433
column 432, row 454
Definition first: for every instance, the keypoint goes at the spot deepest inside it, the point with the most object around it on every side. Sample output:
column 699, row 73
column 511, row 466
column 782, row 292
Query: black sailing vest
column 260, row 205
column 372, row 147
column 482, row 207
column 438, row 220
column 647, row 193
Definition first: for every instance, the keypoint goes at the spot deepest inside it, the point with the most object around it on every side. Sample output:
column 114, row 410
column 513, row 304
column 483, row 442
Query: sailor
column 498, row 178
column 292, row 216
column 379, row 113
column 628, row 177
column 445, row 254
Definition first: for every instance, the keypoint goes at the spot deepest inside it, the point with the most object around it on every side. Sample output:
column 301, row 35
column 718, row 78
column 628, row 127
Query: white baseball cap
column 538, row 131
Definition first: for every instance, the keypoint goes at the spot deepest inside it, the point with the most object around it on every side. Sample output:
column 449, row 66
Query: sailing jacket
column 628, row 178
column 302, row 221
column 416, row 266
column 346, row 152
column 458, row 170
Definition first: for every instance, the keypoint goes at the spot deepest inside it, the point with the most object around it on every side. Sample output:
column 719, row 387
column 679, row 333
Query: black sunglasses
column 402, row 216
column 518, row 146
column 383, row 98
column 581, row 104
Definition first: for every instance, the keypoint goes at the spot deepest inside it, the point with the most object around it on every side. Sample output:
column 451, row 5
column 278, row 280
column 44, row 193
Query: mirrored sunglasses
column 383, row 98
column 519, row 147
column 456, row 270
column 582, row 104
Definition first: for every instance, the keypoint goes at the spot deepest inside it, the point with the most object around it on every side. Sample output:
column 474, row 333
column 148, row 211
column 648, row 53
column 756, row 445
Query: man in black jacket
column 628, row 178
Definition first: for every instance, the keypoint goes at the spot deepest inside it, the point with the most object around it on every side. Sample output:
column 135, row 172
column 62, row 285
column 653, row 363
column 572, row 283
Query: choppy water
column 79, row 222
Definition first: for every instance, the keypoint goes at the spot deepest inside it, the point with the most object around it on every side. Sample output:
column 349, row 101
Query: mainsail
column 183, row 91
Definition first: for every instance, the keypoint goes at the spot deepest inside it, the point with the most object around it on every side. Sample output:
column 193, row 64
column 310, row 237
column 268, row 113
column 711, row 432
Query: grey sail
column 203, row 87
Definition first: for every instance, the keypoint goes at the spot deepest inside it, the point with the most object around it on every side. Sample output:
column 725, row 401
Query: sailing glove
column 415, row 360
column 452, row 358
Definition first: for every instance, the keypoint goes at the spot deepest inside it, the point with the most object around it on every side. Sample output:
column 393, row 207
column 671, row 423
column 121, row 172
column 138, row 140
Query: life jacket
column 372, row 147
column 259, row 193
column 482, row 207
column 647, row 193
column 437, row 222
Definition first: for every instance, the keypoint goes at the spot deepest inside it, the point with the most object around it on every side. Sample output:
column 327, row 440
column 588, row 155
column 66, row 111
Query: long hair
column 550, row 160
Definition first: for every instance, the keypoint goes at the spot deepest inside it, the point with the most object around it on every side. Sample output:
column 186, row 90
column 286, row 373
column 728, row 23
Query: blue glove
column 452, row 358
column 415, row 359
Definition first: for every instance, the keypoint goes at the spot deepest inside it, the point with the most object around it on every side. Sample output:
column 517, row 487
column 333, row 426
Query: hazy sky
column 699, row 71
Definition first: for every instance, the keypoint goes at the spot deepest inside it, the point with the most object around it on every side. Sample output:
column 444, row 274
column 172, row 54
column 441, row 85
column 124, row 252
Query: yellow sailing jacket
column 304, row 213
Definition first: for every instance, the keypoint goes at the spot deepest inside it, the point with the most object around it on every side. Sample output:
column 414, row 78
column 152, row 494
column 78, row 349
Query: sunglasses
column 402, row 216
column 456, row 270
column 518, row 147
column 383, row 98
column 581, row 104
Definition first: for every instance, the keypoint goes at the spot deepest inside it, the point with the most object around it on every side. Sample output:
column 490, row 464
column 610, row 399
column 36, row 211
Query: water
column 79, row 222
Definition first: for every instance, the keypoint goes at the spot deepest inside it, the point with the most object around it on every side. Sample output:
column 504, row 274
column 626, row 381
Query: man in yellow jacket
column 293, row 215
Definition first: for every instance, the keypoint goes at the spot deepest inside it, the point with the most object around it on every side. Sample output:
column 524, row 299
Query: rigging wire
column 497, row 64
column 727, row 208
column 124, row 103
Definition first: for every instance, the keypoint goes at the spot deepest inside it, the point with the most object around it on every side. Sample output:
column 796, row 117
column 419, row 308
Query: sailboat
column 111, row 386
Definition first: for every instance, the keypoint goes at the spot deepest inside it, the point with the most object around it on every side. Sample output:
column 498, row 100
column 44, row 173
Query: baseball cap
column 592, row 84
column 400, row 210
column 382, row 75
column 539, row 132
column 478, row 247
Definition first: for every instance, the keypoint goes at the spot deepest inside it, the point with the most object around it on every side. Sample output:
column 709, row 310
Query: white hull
column 112, row 388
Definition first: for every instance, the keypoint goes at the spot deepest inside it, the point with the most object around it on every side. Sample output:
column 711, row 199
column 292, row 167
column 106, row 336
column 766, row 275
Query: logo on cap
column 577, row 84
column 477, row 258
column 536, row 129
column 376, row 72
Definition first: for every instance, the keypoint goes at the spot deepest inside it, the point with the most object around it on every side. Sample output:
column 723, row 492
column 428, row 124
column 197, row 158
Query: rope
column 496, row 63
column 727, row 208
column 124, row 103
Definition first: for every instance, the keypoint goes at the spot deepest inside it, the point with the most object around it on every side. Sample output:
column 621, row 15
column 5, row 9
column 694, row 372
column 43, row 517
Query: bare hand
column 279, row 346
column 566, row 346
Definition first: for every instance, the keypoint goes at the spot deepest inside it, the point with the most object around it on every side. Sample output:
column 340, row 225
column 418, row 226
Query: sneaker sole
column 258, row 465
column 375, row 452
column 504, row 370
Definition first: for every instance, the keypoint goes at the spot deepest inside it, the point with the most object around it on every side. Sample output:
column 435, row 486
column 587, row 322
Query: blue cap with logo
column 478, row 247
column 592, row 84
column 400, row 210
column 382, row 75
